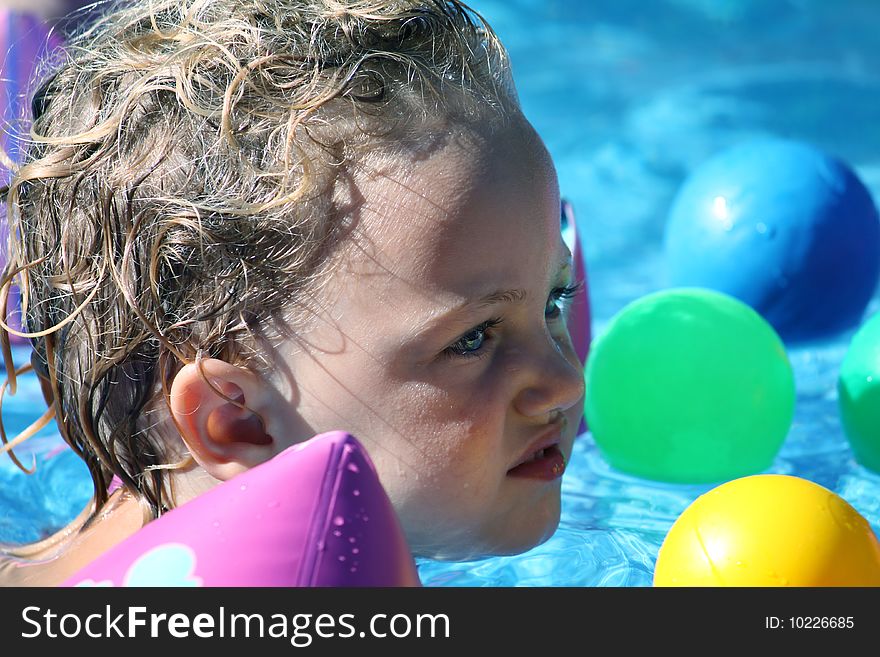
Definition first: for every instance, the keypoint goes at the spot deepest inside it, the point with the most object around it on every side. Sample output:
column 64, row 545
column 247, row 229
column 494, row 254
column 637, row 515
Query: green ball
column 689, row 386
column 858, row 394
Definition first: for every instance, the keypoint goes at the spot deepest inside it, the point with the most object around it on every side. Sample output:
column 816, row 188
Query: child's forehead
column 466, row 165
column 460, row 212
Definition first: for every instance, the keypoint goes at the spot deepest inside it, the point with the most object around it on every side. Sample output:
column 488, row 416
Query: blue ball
column 783, row 227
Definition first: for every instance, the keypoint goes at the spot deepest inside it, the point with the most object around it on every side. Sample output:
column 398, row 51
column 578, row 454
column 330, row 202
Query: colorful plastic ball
column 689, row 386
column 769, row 530
column 785, row 228
column 858, row 394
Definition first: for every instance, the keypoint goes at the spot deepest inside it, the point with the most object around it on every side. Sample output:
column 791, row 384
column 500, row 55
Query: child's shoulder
column 54, row 559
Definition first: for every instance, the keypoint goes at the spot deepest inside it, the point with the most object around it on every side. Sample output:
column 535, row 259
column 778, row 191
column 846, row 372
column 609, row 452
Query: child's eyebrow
column 511, row 295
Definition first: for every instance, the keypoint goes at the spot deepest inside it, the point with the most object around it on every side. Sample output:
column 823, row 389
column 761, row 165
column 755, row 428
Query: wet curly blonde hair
column 184, row 188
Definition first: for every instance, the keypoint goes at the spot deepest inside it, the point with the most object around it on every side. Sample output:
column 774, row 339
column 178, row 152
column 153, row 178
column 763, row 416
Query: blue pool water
column 629, row 97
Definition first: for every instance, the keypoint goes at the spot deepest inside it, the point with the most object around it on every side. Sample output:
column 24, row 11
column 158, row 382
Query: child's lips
column 544, row 458
column 548, row 464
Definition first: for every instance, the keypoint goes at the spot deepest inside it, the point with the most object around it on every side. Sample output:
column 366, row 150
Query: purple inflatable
column 315, row 515
column 579, row 318
column 24, row 40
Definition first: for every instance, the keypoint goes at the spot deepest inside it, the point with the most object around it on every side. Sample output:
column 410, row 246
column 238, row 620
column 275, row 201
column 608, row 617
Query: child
column 242, row 223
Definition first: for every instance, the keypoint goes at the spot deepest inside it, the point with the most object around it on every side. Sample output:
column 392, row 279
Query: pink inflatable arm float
column 315, row 515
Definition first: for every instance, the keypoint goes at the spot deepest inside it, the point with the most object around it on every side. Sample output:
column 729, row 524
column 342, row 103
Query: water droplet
column 337, row 533
column 355, row 551
column 320, row 546
column 341, row 557
column 353, row 467
column 352, row 569
column 366, row 518
column 870, row 379
column 761, row 227
column 355, row 492
column 352, row 539
column 243, row 487
column 339, row 521
column 216, row 523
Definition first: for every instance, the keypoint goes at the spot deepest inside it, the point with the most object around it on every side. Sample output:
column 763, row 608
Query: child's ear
column 226, row 435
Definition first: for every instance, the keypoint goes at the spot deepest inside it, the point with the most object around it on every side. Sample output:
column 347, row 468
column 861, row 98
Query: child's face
column 446, row 404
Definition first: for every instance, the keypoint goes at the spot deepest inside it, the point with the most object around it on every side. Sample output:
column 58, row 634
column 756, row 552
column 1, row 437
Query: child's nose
column 552, row 379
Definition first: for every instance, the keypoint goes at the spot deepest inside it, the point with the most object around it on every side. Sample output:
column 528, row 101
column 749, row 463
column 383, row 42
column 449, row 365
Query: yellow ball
column 769, row 530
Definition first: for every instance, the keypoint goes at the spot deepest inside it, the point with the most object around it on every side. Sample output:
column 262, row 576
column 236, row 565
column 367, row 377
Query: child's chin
column 527, row 535
column 540, row 536
column 529, row 532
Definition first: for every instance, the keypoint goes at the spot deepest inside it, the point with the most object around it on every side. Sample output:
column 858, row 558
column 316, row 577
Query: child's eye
column 471, row 342
column 554, row 308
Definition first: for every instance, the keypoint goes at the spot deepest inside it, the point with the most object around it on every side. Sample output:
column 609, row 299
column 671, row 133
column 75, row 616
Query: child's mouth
column 545, row 464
